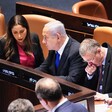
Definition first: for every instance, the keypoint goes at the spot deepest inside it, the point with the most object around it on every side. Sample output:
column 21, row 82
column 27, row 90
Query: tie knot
column 57, row 54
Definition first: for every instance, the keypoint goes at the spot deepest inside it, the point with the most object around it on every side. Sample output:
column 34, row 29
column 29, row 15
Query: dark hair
column 10, row 40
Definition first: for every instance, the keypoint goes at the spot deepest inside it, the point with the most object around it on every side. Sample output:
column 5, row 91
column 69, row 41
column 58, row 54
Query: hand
column 110, row 106
column 99, row 96
column 109, row 101
column 91, row 68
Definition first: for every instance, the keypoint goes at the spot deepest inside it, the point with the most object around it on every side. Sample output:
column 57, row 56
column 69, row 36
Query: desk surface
column 100, row 106
column 21, row 77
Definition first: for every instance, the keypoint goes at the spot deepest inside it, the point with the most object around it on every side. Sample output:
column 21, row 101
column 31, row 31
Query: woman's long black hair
column 10, row 40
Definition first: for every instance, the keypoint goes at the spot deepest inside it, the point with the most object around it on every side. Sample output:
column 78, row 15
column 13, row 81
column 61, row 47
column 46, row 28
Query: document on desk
column 101, row 108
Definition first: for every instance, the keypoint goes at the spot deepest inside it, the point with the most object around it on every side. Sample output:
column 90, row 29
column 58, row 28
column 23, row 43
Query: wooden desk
column 99, row 102
column 19, row 81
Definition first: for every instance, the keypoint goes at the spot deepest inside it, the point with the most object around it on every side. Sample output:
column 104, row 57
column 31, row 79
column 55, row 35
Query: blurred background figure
column 20, row 105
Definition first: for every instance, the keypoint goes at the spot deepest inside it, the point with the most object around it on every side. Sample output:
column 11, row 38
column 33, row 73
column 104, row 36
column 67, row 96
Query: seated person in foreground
column 63, row 59
column 19, row 45
column 50, row 95
column 21, row 105
column 99, row 68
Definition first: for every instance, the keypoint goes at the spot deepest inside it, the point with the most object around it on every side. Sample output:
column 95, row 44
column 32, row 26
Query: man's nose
column 43, row 41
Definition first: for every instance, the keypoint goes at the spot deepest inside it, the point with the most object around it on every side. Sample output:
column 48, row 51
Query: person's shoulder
column 79, row 106
column 74, row 46
column 34, row 37
column 3, row 39
column 75, row 41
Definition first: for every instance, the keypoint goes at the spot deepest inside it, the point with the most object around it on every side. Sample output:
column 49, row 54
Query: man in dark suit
column 99, row 68
column 71, row 66
column 50, row 95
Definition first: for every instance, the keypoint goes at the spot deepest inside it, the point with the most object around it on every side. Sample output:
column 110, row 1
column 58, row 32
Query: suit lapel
column 51, row 61
column 64, row 56
column 106, row 69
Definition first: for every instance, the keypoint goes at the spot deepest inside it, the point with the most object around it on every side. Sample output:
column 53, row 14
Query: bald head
column 47, row 83
column 49, row 89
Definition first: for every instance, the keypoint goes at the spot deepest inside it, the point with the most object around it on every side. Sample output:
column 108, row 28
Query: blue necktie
column 57, row 59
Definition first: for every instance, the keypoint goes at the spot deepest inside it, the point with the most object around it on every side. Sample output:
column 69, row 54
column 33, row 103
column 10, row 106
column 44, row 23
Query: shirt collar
column 106, row 50
column 60, row 51
column 59, row 104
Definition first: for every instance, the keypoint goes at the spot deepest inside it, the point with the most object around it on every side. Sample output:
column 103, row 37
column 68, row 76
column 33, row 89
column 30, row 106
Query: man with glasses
column 63, row 59
column 99, row 68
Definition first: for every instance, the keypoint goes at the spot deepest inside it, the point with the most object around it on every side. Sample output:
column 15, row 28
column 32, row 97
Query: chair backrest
column 103, row 34
column 2, row 25
column 36, row 24
column 91, row 8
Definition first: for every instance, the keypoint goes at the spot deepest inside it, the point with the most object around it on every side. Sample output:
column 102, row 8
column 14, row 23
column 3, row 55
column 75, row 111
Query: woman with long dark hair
column 19, row 45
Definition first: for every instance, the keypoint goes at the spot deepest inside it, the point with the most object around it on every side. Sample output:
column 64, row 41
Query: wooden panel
column 74, row 27
column 11, row 91
column 19, row 81
column 78, row 26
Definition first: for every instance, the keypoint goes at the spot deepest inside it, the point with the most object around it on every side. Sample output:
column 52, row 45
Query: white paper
column 101, row 108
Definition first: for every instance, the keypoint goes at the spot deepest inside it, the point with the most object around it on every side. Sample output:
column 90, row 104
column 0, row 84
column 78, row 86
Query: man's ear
column 58, row 36
column 45, row 101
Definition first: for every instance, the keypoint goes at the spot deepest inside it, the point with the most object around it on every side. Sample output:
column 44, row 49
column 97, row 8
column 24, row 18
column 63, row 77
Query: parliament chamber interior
column 18, row 81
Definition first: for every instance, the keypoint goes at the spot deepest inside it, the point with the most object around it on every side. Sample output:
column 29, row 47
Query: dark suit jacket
column 71, row 68
column 71, row 107
column 37, row 51
column 107, row 79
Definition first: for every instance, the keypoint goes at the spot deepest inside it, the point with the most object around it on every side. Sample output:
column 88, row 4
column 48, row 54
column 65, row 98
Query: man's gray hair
column 56, row 27
column 20, row 105
column 88, row 46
